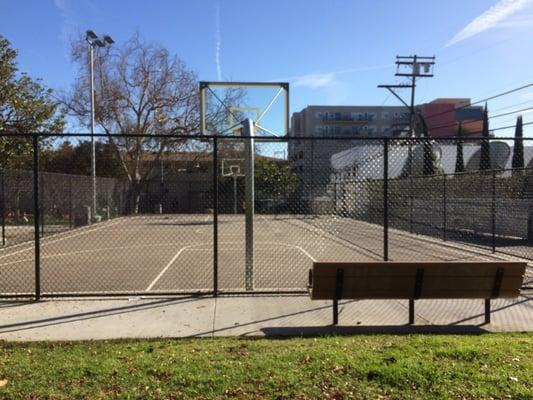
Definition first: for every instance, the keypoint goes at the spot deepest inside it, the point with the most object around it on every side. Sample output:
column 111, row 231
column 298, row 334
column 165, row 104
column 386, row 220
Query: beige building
column 349, row 121
column 311, row 158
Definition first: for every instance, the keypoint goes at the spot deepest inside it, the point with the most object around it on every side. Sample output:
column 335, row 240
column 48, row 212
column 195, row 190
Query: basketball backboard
column 233, row 167
column 224, row 105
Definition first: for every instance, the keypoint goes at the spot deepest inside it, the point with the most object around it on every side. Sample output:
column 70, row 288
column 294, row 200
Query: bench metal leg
column 335, row 312
column 487, row 311
column 411, row 312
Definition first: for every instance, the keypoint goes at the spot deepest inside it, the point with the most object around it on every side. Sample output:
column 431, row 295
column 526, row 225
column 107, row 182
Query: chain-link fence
column 176, row 215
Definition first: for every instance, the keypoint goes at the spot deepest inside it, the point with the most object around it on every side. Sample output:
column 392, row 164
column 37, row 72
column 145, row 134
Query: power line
column 475, row 121
column 491, row 129
column 513, row 105
column 481, row 101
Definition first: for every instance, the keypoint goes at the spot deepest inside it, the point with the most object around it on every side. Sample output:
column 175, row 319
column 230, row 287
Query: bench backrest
column 413, row 280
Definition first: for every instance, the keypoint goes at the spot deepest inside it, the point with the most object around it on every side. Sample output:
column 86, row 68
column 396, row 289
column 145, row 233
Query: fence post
column 444, row 215
column 493, row 211
column 71, row 205
column 385, row 199
column 335, row 196
column 108, row 204
column 411, row 201
column 3, row 201
column 36, row 217
column 42, row 206
column 530, row 225
column 215, row 216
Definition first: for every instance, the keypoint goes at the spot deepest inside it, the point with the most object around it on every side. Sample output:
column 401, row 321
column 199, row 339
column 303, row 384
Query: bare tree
column 141, row 90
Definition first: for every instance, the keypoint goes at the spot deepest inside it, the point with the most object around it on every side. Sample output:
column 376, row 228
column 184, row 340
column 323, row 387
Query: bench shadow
column 315, row 331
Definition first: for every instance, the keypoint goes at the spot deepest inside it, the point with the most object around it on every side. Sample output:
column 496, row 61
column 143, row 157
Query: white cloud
column 218, row 41
column 327, row 79
column 491, row 18
column 70, row 25
column 315, row 81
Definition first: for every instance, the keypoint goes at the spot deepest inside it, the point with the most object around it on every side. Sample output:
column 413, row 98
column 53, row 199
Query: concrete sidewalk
column 249, row 316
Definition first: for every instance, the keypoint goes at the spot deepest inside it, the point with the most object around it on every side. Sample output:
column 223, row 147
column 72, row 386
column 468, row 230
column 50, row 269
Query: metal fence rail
column 172, row 223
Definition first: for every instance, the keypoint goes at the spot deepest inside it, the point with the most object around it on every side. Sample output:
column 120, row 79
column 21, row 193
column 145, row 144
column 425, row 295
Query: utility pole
column 411, row 67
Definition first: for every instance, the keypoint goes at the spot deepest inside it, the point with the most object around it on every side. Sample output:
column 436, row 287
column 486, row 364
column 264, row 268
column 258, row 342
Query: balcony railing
column 349, row 119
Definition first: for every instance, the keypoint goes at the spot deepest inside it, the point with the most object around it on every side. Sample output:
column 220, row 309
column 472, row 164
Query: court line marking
column 94, row 250
column 206, row 219
column 192, row 247
column 316, row 230
column 62, row 233
column 459, row 247
column 166, row 267
column 61, row 238
column 294, row 246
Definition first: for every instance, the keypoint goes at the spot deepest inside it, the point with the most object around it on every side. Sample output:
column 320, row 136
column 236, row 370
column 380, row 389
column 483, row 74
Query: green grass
column 489, row 366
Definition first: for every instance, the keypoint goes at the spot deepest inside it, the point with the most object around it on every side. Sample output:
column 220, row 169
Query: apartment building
column 443, row 115
column 311, row 158
column 349, row 121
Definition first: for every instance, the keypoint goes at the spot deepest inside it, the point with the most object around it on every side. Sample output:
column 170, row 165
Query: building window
column 319, row 115
column 385, row 115
column 320, row 129
column 401, row 115
column 371, row 116
column 300, row 154
column 334, row 130
column 371, row 130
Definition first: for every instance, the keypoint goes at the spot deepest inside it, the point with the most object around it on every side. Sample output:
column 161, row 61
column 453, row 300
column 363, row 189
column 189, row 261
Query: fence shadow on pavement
column 82, row 316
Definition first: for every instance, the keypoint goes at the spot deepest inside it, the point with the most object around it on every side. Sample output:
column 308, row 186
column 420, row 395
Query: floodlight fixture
column 90, row 35
column 108, row 39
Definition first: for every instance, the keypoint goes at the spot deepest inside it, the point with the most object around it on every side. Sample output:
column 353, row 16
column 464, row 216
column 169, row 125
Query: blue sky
column 332, row 52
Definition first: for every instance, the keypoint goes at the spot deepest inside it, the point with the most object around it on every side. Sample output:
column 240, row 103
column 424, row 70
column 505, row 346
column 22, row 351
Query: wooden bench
column 415, row 280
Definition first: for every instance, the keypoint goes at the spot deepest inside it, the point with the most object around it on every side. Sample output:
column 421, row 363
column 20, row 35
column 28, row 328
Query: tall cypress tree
column 484, row 160
column 518, row 149
column 459, row 158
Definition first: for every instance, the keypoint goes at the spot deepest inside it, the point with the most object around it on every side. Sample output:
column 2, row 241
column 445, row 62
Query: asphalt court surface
column 174, row 253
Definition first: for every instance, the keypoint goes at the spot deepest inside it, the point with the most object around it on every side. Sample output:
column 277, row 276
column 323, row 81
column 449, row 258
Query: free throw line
column 167, row 267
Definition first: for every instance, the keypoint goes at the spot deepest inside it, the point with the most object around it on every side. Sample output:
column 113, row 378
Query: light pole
column 94, row 41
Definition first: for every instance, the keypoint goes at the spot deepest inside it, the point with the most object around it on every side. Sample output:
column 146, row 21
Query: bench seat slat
column 396, row 280
column 377, row 269
column 431, row 283
column 444, row 294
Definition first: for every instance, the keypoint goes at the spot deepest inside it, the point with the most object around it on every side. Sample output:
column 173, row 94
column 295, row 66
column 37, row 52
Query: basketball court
column 213, row 252
column 174, row 254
